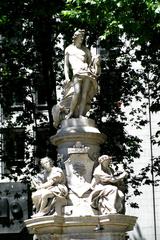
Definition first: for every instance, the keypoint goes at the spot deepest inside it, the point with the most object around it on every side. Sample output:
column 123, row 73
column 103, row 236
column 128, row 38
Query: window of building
column 43, row 147
column 41, row 96
column 13, row 147
column 18, row 98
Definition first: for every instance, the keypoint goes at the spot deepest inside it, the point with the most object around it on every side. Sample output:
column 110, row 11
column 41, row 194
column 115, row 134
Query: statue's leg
column 44, row 200
column 108, row 199
column 75, row 98
column 84, row 92
column 112, row 199
column 36, row 198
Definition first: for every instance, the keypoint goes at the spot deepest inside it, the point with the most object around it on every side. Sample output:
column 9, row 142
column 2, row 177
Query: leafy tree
column 128, row 36
column 29, row 62
column 30, row 57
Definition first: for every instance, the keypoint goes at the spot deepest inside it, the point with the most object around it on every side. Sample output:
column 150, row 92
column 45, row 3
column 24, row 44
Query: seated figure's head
column 105, row 160
column 46, row 162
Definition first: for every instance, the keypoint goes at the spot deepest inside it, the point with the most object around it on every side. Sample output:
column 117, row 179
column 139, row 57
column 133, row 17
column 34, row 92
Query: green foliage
column 115, row 23
column 127, row 32
column 29, row 33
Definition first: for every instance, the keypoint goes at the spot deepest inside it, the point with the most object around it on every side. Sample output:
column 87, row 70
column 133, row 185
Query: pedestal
column 78, row 130
column 109, row 227
column 78, row 143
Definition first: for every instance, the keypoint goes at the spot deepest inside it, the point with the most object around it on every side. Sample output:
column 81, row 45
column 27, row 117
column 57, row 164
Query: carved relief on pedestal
column 79, row 169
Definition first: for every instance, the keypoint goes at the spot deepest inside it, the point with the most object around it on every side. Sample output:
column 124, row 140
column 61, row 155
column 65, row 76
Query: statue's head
column 46, row 162
column 104, row 158
column 78, row 33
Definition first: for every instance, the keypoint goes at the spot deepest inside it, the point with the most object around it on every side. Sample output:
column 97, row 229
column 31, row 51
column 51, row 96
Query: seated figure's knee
column 35, row 196
column 46, row 194
column 115, row 189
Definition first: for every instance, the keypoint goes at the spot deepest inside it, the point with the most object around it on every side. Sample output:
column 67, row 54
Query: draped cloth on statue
column 106, row 196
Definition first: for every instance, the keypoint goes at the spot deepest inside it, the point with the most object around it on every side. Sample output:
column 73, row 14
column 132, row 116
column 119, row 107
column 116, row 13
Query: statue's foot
column 98, row 228
column 113, row 212
column 69, row 115
column 81, row 116
column 39, row 214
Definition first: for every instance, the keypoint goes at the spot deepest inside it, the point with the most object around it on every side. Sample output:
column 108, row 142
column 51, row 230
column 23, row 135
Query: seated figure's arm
column 53, row 179
column 103, row 178
column 37, row 180
column 93, row 183
column 47, row 184
column 106, row 179
column 34, row 184
column 58, row 176
column 118, row 179
column 121, row 176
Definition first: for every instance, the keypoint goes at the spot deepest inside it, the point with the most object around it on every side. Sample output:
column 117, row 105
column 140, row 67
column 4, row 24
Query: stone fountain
column 82, row 197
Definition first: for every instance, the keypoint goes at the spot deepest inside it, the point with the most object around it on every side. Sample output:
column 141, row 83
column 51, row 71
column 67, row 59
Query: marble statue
column 90, row 203
column 78, row 60
column 50, row 187
column 80, row 85
column 105, row 195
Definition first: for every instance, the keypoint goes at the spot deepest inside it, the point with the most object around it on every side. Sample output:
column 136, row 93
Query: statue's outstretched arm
column 66, row 66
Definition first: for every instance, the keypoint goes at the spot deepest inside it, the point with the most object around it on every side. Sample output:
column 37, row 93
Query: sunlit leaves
column 127, row 31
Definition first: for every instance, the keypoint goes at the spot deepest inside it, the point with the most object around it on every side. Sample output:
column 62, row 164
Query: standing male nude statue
column 78, row 69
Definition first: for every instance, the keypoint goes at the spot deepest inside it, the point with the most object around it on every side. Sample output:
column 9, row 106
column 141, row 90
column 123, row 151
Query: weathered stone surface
column 51, row 191
column 106, row 195
column 75, row 130
column 79, row 169
column 110, row 227
column 93, row 201
column 81, row 72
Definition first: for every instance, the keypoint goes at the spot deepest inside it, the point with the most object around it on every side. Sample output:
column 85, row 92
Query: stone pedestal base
column 109, row 227
column 78, row 129
column 78, row 145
